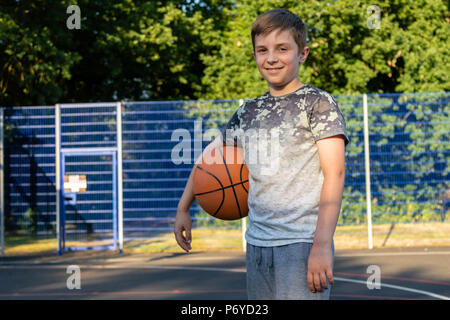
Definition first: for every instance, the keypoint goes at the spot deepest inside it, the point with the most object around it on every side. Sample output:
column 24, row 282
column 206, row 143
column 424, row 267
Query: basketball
column 221, row 183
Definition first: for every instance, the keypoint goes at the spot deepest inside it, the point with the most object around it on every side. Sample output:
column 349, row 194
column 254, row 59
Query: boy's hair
column 280, row 19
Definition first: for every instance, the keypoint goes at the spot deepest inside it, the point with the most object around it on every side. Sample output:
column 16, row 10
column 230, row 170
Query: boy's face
column 278, row 58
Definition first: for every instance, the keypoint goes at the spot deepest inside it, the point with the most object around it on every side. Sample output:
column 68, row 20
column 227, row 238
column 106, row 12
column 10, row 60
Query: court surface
column 408, row 273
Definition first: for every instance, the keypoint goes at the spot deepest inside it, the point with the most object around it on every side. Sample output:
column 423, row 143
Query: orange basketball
column 221, row 183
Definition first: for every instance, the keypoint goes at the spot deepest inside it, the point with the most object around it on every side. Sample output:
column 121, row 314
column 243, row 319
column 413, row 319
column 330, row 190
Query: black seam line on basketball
column 223, row 191
column 231, row 181
column 240, row 176
column 236, row 184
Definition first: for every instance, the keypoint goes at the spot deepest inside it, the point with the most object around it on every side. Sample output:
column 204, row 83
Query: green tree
column 131, row 50
column 33, row 61
column 408, row 53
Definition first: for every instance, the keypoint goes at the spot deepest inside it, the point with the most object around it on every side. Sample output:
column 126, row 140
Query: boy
column 293, row 211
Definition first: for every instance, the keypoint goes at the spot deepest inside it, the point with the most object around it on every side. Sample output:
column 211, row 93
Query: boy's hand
column 183, row 223
column 320, row 268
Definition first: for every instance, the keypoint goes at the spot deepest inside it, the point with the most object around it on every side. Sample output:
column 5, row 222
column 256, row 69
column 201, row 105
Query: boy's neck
column 289, row 88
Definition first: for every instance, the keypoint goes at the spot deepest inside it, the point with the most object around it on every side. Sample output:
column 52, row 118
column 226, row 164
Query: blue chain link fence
column 408, row 143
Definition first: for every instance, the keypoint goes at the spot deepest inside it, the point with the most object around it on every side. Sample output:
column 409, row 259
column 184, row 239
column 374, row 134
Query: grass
column 24, row 244
column 394, row 235
column 346, row 237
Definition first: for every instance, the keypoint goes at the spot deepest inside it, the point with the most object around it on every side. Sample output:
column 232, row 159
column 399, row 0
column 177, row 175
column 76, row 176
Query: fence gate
column 88, row 157
column 89, row 211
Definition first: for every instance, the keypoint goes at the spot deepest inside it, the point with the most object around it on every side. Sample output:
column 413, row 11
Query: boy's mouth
column 273, row 70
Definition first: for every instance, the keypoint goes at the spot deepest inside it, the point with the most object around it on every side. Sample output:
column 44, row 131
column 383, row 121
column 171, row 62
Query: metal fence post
column 58, row 174
column 243, row 220
column 119, row 174
column 2, row 190
column 367, row 166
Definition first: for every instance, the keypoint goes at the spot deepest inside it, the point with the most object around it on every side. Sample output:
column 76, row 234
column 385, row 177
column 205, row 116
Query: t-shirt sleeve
column 231, row 131
column 326, row 120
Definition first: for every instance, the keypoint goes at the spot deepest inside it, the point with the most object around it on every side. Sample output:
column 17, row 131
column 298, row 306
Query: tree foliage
column 125, row 50
column 408, row 53
column 201, row 49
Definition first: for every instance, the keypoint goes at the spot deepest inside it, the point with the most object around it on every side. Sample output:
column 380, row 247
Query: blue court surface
column 412, row 273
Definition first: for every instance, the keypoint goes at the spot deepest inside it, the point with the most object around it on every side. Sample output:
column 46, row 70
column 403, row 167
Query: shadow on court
column 413, row 273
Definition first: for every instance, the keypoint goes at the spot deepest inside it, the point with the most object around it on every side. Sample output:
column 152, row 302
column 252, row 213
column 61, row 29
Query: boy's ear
column 304, row 54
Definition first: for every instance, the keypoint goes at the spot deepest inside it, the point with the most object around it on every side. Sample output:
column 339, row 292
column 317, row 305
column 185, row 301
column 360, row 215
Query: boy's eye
column 283, row 49
column 261, row 50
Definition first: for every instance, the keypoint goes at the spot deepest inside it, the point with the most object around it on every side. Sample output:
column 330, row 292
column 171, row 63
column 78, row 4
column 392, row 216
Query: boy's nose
column 272, row 57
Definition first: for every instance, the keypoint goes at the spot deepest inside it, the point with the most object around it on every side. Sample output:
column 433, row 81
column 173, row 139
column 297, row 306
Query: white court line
column 241, row 270
column 427, row 293
column 387, row 254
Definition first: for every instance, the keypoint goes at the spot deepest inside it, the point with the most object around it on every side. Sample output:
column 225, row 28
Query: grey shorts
column 280, row 273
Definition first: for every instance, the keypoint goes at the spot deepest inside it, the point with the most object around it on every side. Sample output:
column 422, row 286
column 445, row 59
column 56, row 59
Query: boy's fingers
column 188, row 244
column 310, row 282
column 181, row 240
column 187, row 240
column 330, row 276
column 188, row 235
column 323, row 280
column 180, row 237
column 317, row 282
column 178, row 234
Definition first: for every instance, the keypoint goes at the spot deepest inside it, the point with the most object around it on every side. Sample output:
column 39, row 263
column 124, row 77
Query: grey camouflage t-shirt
column 278, row 135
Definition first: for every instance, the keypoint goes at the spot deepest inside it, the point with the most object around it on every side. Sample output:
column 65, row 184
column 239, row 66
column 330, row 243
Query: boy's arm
column 332, row 161
column 183, row 219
